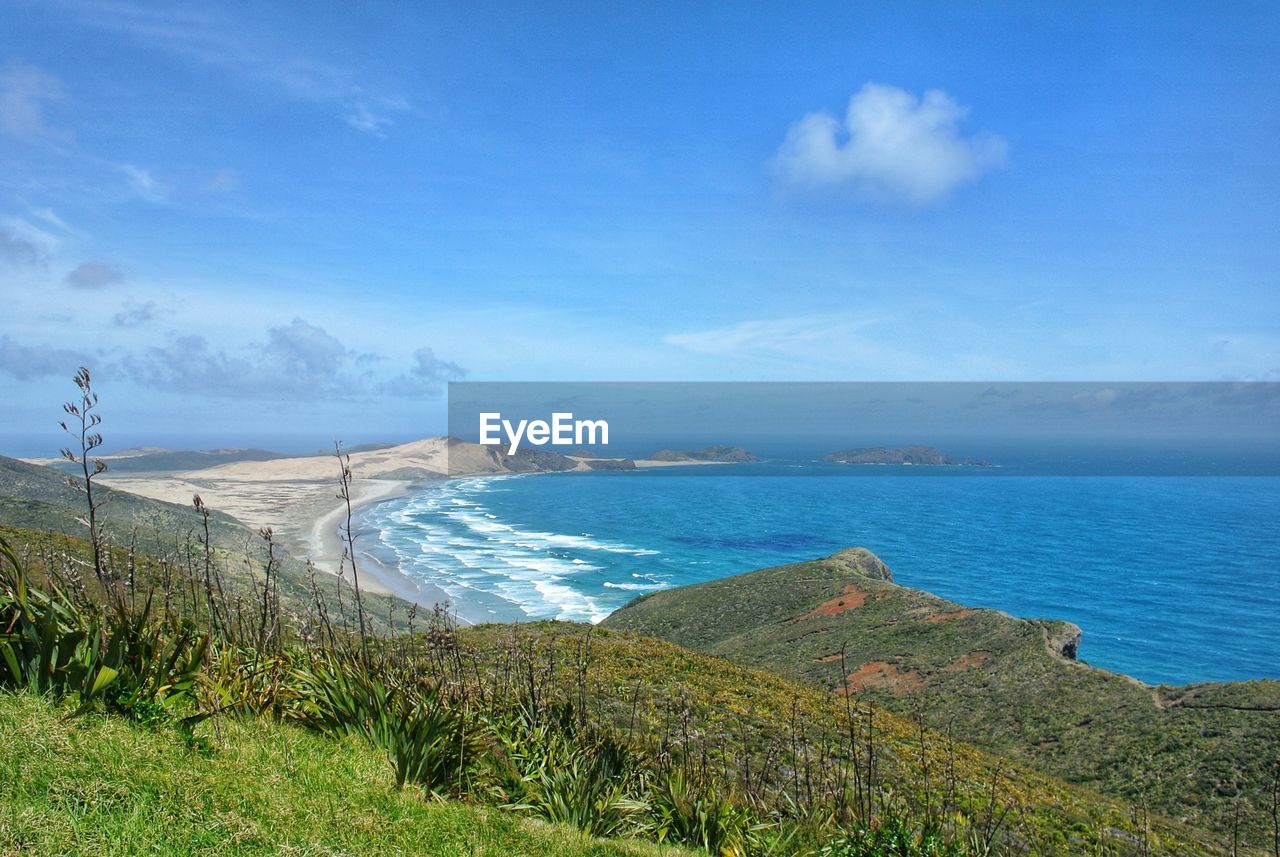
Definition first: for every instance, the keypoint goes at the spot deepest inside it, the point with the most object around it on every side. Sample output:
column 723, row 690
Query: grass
column 100, row 785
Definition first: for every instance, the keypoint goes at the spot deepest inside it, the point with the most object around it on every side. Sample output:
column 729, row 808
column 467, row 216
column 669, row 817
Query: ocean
column 1173, row 579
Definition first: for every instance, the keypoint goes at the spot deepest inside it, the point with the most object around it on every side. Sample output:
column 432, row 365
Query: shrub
column 564, row 774
column 700, row 815
column 51, row 645
column 428, row 742
column 893, row 837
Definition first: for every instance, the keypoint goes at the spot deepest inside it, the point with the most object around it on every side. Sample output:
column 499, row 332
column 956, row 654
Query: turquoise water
column 1172, row 578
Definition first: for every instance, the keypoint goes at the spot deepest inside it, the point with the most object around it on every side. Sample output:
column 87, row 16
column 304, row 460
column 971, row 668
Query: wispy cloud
column 373, row 113
column 94, row 275
column 49, row 216
column 144, row 184
column 223, row 181
column 25, row 92
column 761, row 337
column 890, row 146
column 29, row 362
column 870, row 344
column 193, row 34
column 134, row 314
column 25, row 246
column 426, row 377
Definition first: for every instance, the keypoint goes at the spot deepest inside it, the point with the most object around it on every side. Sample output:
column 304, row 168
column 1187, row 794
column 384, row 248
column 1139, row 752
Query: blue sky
column 264, row 220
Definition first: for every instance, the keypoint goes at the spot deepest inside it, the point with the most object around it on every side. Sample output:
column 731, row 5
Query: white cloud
column 372, row 114
column 864, row 345
column 298, row 361
column 890, row 146
column 224, row 181
column 49, row 216
column 25, row 91
column 755, row 337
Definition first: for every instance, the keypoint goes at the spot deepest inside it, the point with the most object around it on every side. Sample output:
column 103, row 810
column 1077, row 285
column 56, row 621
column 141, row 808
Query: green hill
column 1205, row 753
column 788, row 751
column 793, row 735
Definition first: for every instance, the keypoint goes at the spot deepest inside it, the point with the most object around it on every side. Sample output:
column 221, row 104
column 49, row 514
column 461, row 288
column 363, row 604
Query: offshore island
column 926, row 456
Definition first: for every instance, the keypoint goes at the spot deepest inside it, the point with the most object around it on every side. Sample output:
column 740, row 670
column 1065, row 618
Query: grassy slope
column 97, row 785
column 1189, row 752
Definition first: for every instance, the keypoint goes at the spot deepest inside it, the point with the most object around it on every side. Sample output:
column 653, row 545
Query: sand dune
column 298, row 497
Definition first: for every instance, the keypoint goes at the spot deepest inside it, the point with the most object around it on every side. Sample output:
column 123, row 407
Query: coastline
column 296, row 497
column 325, row 540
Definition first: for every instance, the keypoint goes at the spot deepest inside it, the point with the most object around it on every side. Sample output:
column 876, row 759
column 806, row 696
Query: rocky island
column 915, row 454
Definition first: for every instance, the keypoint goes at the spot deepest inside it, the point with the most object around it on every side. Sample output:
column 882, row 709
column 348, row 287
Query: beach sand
column 298, row 498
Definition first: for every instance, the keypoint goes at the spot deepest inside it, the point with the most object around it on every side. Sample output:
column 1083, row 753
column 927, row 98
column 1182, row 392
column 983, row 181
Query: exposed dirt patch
column 883, row 675
column 971, row 661
column 950, row 616
column 852, row 598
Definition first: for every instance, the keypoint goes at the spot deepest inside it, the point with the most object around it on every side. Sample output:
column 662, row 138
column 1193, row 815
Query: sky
column 276, row 224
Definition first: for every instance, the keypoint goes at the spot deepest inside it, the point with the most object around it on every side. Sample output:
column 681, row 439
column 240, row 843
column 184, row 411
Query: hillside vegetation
column 613, row 734
column 1206, row 753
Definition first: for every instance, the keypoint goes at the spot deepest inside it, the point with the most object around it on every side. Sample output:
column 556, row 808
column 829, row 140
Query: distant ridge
column 719, row 452
column 157, row 460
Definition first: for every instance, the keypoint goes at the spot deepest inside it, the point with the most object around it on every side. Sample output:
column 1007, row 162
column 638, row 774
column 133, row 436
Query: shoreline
column 325, row 541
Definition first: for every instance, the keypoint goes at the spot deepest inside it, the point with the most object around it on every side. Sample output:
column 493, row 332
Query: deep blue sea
column 1172, row 578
